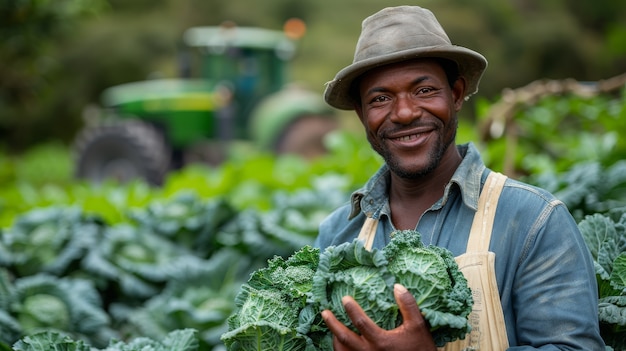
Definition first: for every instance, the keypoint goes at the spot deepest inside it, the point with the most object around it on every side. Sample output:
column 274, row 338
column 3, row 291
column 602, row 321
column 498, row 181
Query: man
column 406, row 84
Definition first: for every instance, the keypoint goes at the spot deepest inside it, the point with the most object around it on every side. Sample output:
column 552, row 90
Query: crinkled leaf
column 618, row 275
column 432, row 275
column 48, row 240
column 50, row 341
column 264, row 335
column 351, row 270
column 70, row 305
column 177, row 340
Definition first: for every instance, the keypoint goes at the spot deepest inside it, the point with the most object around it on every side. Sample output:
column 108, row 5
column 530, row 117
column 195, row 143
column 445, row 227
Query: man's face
column 409, row 111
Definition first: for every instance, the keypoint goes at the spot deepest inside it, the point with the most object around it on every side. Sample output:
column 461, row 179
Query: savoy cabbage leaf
column 605, row 236
column 177, row 340
column 135, row 259
column 279, row 307
column 49, row 240
column 45, row 302
column 50, row 340
column 350, row 269
column 199, row 297
column 432, row 275
column 269, row 306
column 186, row 219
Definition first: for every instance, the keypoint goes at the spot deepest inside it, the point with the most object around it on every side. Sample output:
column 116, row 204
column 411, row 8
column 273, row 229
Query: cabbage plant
column 272, row 306
column 45, row 302
column 431, row 274
column 49, row 239
column 177, row 340
column 605, row 236
column 279, row 307
column 199, row 297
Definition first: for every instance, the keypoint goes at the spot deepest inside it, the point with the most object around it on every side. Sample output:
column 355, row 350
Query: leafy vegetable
column 186, row 219
column 42, row 301
column 278, row 308
column 587, row 188
column 135, row 260
column 606, row 240
column 272, row 306
column 199, row 298
column 48, row 240
column 350, row 269
column 177, row 340
column 50, row 340
column 432, row 276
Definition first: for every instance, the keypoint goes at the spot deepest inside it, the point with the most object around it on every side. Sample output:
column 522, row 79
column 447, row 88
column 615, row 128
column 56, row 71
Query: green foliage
column 558, row 132
column 186, row 219
column 50, row 340
column 587, row 188
column 45, row 302
column 431, row 274
column 48, row 240
column 247, row 181
column 270, row 303
column 177, row 340
column 200, row 296
column 606, row 238
column 280, row 304
column 174, row 262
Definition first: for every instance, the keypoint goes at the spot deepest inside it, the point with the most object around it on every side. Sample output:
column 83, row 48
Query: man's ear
column 458, row 93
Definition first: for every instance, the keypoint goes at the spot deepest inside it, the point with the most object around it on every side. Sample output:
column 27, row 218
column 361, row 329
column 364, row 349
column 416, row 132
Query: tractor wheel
column 122, row 152
column 304, row 136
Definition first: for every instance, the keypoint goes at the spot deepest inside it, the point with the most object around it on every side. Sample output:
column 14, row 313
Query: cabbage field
column 132, row 267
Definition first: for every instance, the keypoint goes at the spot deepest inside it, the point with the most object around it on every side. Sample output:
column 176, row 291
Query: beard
column 434, row 154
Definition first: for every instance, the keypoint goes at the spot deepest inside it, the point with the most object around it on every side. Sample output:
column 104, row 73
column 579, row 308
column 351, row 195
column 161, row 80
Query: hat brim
column 471, row 66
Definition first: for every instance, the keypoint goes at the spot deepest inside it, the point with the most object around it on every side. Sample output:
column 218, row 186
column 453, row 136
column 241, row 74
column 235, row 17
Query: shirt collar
column 373, row 196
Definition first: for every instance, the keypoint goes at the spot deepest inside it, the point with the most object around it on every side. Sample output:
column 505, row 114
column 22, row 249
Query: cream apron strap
column 478, row 265
column 368, row 232
column 480, row 234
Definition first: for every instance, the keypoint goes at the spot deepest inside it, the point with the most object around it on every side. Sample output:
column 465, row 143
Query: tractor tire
column 122, row 152
column 304, row 136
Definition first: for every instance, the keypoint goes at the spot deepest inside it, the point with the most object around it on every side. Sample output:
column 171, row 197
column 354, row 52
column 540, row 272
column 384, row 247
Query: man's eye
column 380, row 98
column 425, row 90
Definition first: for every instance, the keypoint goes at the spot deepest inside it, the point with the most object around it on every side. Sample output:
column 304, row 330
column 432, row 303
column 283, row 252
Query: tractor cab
column 248, row 63
column 233, row 87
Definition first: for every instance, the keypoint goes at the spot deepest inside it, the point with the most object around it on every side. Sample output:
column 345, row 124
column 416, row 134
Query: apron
column 478, row 266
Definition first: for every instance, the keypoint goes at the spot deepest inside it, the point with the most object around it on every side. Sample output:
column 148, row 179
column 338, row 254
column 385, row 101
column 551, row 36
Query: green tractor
column 232, row 91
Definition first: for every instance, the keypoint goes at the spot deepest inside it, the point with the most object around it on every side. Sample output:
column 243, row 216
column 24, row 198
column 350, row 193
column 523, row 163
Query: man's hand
column 412, row 335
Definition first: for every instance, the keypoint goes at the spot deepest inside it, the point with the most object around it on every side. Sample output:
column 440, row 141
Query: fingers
column 412, row 319
column 342, row 335
column 411, row 313
column 361, row 321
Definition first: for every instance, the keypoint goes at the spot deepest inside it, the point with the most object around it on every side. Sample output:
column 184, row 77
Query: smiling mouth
column 408, row 137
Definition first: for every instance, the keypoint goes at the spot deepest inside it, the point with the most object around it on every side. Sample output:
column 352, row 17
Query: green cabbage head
column 432, row 275
column 279, row 308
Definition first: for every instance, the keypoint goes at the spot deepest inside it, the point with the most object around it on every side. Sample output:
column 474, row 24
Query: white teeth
column 407, row 138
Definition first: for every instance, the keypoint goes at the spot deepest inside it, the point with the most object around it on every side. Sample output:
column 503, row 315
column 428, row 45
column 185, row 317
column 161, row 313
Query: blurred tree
column 28, row 72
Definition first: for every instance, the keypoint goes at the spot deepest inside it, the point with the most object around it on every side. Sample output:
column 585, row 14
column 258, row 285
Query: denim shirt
column 544, row 269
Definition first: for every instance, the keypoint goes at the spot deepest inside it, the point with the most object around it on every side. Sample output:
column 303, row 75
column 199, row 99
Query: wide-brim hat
column 397, row 34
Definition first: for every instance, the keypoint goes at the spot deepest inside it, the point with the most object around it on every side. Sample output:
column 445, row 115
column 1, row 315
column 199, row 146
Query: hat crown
column 397, row 29
column 397, row 34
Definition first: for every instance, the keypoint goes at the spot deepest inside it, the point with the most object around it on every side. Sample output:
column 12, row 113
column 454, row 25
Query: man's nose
column 406, row 110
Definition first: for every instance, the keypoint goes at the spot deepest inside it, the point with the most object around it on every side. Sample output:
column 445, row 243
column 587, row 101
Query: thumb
column 411, row 314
